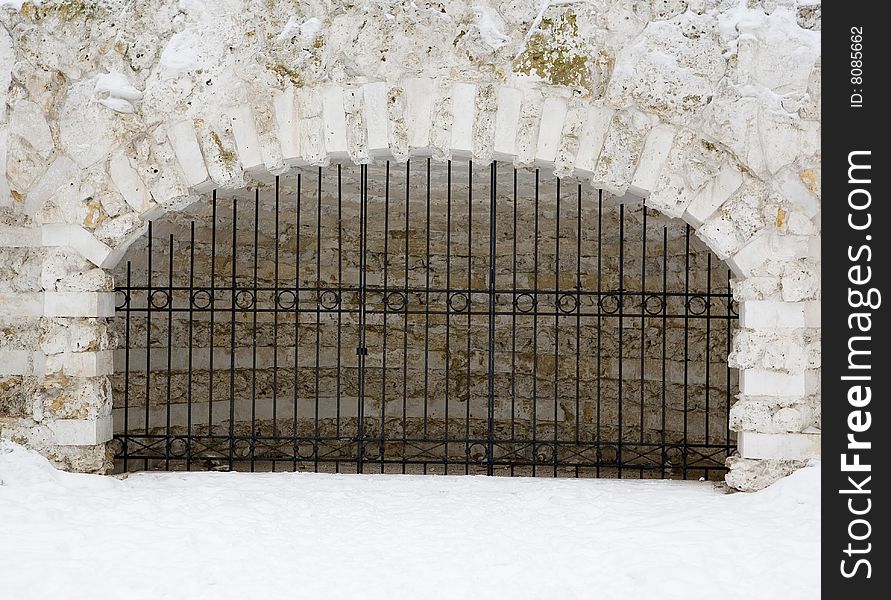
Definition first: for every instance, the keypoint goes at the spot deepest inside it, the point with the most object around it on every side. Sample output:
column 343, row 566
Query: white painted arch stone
column 115, row 112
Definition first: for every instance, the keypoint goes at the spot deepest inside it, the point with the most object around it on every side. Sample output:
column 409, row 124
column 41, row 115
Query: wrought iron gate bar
column 576, row 397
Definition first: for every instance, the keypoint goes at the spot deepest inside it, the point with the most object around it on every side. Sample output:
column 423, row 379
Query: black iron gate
column 424, row 318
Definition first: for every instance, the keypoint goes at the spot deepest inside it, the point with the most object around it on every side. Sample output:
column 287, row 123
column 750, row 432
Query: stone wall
column 115, row 112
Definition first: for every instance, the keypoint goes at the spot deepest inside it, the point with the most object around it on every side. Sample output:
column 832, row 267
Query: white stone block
column 82, row 432
column 550, row 129
column 812, row 314
column 311, row 125
column 185, row 145
column 778, row 446
column 89, row 364
column 244, row 130
column 129, row 183
column 286, row 122
column 419, row 95
column 463, row 115
column 771, row 314
column 763, row 382
column 16, row 362
column 712, row 195
column 78, row 304
column 593, row 135
column 374, row 111
column 28, row 304
column 653, row 156
column 334, row 122
column 78, row 238
column 61, row 171
column 12, row 236
column 769, row 245
column 507, row 115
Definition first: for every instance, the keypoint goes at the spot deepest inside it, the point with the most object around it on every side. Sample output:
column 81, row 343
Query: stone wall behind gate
column 451, row 373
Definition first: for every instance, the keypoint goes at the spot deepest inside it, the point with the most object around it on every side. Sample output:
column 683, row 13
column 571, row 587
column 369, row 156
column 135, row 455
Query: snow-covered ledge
column 114, row 113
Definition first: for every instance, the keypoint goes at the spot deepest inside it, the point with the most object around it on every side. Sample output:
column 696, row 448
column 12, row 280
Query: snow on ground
column 299, row 535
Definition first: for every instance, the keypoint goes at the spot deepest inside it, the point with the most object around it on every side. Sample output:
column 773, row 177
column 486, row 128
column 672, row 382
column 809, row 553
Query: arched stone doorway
column 99, row 142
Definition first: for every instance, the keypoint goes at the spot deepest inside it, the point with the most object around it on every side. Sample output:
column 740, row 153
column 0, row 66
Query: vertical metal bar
column 535, row 332
column 490, row 423
column 361, row 351
column 148, row 338
column 643, row 323
column 556, row 326
column 405, row 321
column 316, row 431
column 686, row 337
column 448, row 308
column 386, row 287
column 297, row 261
column 427, row 313
column 232, row 323
column 254, row 302
column 128, row 309
column 169, row 308
column 513, row 327
column 621, row 330
column 341, row 292
column 276, row 306
column 664, row 334
column 213, row 297
column 599, row 322
column 469, row 308
column 578, row 317
column 708, row 344
column 191, row 345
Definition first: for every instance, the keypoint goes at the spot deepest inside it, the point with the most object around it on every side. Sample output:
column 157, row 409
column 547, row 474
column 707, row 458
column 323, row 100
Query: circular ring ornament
column 201, row 299
column 459, row 302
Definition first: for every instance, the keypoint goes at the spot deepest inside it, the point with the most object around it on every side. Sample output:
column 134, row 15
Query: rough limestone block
column 419, row 96
column 247, row 141
column 129, row 183
column 507, row 115
column 770, row 314
column 184, row 140
column 781, row 446
column 621, row 150
column 550, row 129
column 78, row 304
column 286, row 121
column 374, row 110
column 463, row 115
column 312, row 134
column 711, row 196
column 653, row 156
column 334, row 122
column 593, row 136
column 762, row 382
column 82, row 432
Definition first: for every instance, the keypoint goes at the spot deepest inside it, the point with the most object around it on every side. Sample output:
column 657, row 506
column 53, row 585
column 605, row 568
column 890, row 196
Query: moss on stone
column 286, row 74
column 227, row 156
column 554, row 54
column 66, row 10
